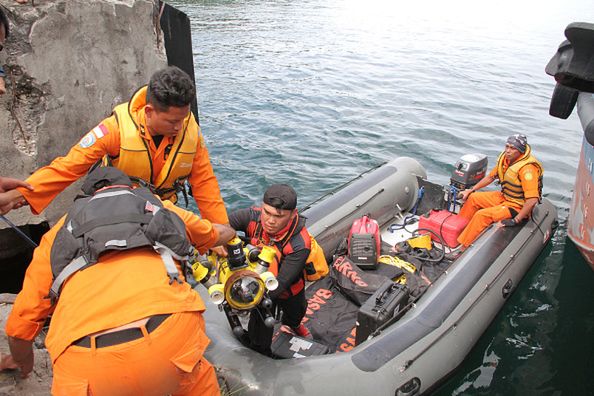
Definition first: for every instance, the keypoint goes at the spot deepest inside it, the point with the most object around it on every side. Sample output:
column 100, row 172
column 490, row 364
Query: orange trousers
column 167, row 361
column 482, row 209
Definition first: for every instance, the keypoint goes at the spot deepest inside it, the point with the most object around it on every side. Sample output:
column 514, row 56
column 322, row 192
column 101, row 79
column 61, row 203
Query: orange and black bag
column 316, row 266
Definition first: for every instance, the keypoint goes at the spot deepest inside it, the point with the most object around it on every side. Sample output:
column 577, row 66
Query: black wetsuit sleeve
column 291, row 268
column 240, row 219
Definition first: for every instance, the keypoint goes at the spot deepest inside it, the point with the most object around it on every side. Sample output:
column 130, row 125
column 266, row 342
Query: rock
column 68, row 62
column 39, row 381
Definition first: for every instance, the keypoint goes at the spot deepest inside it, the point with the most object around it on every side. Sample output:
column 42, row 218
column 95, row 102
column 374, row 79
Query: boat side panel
column 448, row 339
column 429, row 359
column 428, row 318
column 464, row 327
column 580, row 226
column 451, row 292
column 390, row 189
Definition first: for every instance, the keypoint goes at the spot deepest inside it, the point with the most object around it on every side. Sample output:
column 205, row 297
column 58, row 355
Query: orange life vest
column 135, row 159
column 511, row 185
column 282, row 247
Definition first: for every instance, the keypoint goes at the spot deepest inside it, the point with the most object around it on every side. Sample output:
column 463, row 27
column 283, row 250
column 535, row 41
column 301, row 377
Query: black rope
column 19, row 232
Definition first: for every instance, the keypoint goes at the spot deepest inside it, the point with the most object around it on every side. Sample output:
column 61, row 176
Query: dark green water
column 314, row 92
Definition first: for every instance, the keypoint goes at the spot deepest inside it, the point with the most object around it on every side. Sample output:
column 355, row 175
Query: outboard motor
column 468, row 171
column 444, row 225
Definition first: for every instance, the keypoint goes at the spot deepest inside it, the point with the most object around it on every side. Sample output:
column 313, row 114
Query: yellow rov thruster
column 238, row 283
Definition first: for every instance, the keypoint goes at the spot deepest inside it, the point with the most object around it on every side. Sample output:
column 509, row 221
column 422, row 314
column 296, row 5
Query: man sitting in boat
column 520, row 175
column 278, row 224
column 124, row 321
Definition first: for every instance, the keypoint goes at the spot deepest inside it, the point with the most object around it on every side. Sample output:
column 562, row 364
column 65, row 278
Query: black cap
column 281, row 196
column 102, row 177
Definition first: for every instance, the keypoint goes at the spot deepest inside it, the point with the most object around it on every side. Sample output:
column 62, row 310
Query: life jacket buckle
column 174, row 277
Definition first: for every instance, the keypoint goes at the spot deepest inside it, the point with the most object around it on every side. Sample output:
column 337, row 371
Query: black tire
column 563, row 101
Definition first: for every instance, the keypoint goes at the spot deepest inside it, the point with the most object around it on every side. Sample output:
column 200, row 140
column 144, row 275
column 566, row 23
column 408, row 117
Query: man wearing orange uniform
column 153, row 138
column 520, row 175
column 119, row 326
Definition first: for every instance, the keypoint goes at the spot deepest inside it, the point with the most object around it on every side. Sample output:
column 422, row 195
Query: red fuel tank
column 446, row 224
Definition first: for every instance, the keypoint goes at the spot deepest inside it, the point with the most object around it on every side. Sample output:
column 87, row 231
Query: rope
column 19, row 232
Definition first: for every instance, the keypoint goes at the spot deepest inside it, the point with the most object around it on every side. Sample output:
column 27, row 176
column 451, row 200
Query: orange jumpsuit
column 488, row 207
column 122, row 288
column 50, row 180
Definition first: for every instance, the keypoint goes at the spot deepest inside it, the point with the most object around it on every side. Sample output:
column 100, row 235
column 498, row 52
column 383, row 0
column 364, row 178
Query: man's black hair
column 4, row 22
column 170, row 87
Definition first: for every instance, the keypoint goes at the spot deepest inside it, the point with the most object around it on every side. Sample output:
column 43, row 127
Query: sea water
column 314, row 92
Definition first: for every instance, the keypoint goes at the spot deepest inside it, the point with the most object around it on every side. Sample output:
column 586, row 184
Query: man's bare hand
column 10, row 198
column 7, row 184
column 21, row 355
column 226, row 233
column 2, row 86
column 220, row 251
column 465, row 193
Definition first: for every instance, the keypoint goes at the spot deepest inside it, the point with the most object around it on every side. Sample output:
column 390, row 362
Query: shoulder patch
column 528, row 176
column 88, row 140
column 100, row 131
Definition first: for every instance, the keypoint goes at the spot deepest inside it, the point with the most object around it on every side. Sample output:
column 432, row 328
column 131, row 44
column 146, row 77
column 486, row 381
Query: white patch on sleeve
column 88, row 140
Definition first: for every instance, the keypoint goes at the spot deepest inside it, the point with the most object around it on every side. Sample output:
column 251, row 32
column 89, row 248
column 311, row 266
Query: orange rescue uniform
column 105, row 140
column 488, row 207
column 122, row 288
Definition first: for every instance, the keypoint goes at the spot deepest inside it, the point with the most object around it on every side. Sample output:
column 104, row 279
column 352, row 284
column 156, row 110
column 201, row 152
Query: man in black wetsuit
column 277, row 223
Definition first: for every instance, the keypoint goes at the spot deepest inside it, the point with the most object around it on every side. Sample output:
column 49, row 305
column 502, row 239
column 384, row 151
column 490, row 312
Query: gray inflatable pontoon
column 433, row 336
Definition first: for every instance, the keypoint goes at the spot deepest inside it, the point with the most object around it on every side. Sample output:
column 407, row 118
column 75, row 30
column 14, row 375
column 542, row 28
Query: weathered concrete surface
column 68, row 63
column 39, row 381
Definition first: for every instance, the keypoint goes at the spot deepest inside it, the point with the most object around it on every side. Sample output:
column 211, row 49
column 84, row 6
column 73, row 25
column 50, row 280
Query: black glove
column 509, row 223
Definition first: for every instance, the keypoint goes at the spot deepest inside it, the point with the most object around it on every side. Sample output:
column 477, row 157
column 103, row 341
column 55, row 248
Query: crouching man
column 277, row 223
column 124, row 321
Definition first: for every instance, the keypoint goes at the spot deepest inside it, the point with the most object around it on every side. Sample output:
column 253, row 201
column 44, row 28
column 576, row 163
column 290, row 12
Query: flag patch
column 88, row 140
column 100, row 131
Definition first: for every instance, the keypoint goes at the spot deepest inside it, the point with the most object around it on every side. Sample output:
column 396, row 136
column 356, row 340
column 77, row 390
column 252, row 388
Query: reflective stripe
column 159, row 247
column 110, row 194
column 106, row 221
column 167, row 257
column 116, row 242
column 71, row 268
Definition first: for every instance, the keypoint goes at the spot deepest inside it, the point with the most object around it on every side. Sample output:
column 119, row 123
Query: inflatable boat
column 432, row 328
